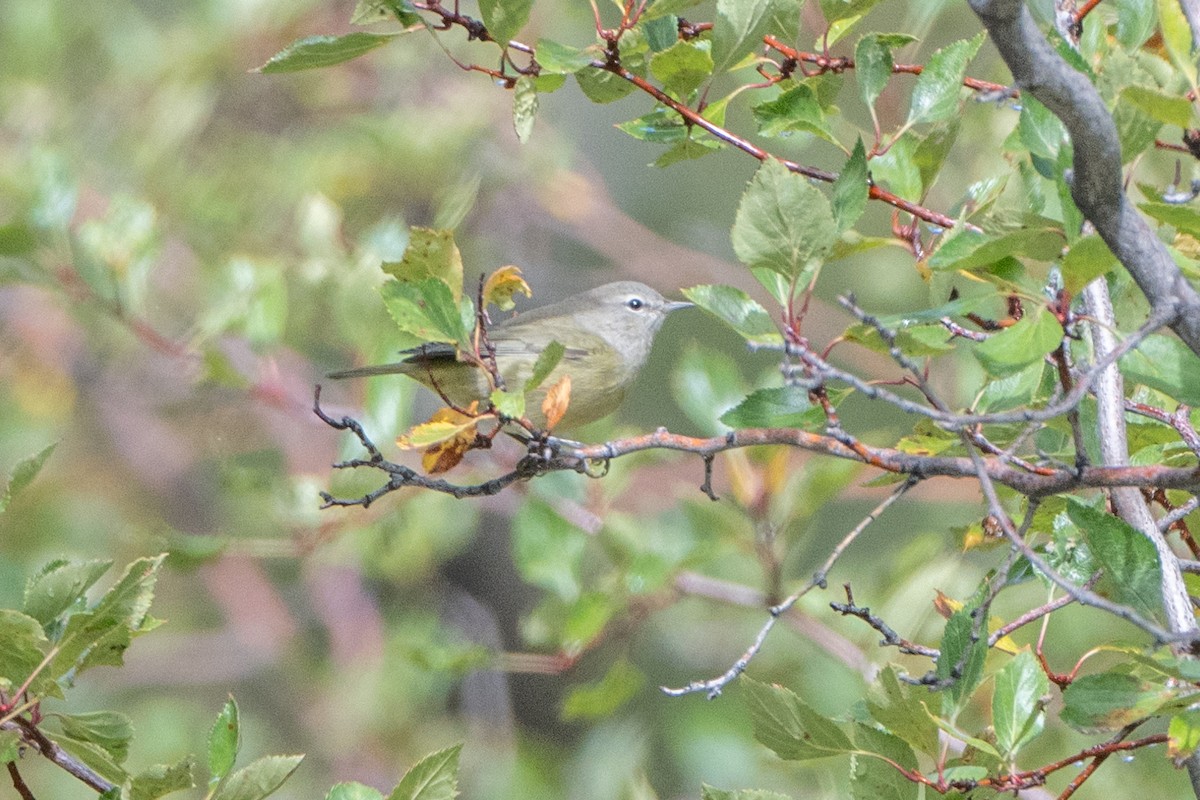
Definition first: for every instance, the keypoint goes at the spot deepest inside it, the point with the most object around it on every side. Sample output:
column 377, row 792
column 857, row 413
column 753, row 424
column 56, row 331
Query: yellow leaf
column 946, row 605
column 446, row 423
column 501, row 285
column 556, row 402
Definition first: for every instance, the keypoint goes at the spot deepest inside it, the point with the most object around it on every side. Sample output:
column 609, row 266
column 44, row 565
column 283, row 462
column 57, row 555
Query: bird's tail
column 398, row 368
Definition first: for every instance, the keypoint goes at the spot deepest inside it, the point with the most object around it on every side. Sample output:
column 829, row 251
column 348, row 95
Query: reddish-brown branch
column 827, row 63
column 693, row 117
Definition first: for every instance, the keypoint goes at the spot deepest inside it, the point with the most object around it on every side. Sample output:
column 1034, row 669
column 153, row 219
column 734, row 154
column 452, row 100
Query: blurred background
column 188, row 246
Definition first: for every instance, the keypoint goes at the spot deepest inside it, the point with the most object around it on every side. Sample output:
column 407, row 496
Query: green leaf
column 657, row 126
column 367, row 12
column 1017, row 713
column 93, row 755
column 525, row 106
column 426, row 309
column 837, row 10
column 873, row 777
column 224, row 741
column 59, row 586
column 1177, row 36
column 100, row 635
column 740, row 25
column 434, row 777
column 1168, row 108
column 258, row 779
column 1040, row 131
column 1166, row 364
column 22, row 648
column 873, row 62
column 662, row 8
column 547, row 360
column 353, row 791
column 784, row 224
column 687, row 150
column 548, row 550
column 1110, row 701
column 660, row 32
column 511, row 404
column 1136, row 20
column 779, row 407
column 560, row 59
column 936, row 95
column 797, row 109
column 23, row 474
column 964, row 647
column 1183, row 218
column 504, row 18
column 1183, row 735
column 898, row 709
column 850, row 189
column 931, row 150
column 314, row 52
column 601, row 698
column 602, row 86
column 1130, row 561
column 11, row 746
column 1015, row 348
column 738, row 310
column 1088, row 259
column 162, row 779
column 430, row 253
column 683, row 66
column 783, row 723
column 108, row 730
column 965, row 249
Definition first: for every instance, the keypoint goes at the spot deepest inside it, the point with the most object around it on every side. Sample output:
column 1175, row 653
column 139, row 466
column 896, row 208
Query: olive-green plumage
column 606, row 332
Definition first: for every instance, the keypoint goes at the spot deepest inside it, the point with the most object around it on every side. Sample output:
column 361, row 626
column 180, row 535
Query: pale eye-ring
column 635, row 304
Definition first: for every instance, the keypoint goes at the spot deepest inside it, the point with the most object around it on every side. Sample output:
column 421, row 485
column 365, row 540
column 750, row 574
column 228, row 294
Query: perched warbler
column 606, row 334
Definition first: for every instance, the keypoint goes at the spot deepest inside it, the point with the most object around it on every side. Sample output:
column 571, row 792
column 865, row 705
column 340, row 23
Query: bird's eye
column 635, row 304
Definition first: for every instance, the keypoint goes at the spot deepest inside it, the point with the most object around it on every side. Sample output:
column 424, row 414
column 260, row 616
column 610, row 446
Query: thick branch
column 1096, row 180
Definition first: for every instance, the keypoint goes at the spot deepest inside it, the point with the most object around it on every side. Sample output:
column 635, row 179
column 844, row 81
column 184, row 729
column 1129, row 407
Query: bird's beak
column 675, row 305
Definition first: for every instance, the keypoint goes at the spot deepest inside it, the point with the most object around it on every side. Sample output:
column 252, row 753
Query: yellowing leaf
column 556, row 402
column 502, row 284
column 445, row 424
column 447, row 437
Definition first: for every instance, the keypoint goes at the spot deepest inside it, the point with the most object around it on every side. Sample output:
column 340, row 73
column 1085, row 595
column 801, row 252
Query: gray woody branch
column 1096, row 180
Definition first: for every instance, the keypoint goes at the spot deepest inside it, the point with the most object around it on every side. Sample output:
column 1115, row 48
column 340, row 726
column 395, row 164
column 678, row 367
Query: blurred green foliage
column 186, row 246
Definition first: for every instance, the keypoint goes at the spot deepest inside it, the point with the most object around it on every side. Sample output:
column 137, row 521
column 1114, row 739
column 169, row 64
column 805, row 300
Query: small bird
column 606, row 334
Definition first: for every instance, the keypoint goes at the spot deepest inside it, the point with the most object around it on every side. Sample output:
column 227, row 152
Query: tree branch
column 1096, row 179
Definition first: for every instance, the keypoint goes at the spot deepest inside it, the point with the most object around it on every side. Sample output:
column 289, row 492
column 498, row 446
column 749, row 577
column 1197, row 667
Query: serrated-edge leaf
column 851, row 188
column 224, row 741
column 936, row 95
column 110, row 622
column 786, row 725
column 1130, row 560
column 783, row 223
column 314, row 52
column 434, row 777
column 259, row 778
column 505, row 18
column 1016, row 711
column 352, row 790
column 737, row 309
column 546, row 361
column 24, row 473
column 60, row 585
column 162, row 779
column 525, row 106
